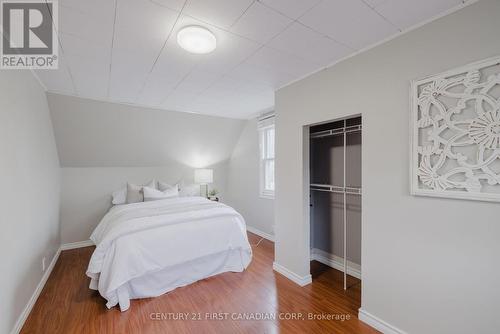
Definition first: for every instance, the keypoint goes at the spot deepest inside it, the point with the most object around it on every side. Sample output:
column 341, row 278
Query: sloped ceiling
column 101, row 134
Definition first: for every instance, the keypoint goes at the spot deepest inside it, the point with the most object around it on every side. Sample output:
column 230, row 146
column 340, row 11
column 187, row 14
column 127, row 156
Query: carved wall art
column 455, row 133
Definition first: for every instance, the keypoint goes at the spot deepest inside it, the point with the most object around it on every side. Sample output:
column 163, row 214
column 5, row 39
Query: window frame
column 263, row 129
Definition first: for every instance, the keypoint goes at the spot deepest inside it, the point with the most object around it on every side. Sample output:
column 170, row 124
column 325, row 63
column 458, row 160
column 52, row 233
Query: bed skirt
column 157, row 283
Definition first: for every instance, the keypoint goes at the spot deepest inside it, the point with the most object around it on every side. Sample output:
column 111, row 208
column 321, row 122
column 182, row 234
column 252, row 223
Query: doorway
column 335, row 197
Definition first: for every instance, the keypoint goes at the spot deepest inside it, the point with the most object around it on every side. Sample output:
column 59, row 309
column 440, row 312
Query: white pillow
column 184, row 190
column 135, row 193
column 120, row 195
column 162, row 186
column 191, row 190
column 151, row 194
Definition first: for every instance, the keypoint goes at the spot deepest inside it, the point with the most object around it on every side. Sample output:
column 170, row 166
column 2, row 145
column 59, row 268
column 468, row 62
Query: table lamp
column 203, row 177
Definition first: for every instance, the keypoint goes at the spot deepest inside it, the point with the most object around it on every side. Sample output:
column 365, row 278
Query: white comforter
column 147, row 249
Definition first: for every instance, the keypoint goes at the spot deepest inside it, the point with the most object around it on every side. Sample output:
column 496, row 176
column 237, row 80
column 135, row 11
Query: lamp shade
column 203, row 176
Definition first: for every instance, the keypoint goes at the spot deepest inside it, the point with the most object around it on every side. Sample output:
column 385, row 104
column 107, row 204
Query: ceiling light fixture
column 196, row 39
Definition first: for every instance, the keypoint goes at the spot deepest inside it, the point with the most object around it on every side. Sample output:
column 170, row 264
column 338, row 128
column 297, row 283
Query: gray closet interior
column 335, row 171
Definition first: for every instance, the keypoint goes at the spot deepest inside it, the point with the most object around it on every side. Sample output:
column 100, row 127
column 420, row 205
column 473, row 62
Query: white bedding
column 147, row 249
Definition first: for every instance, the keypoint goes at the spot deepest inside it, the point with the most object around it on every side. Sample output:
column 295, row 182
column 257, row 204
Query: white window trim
column 266, row 194
column 264, row 125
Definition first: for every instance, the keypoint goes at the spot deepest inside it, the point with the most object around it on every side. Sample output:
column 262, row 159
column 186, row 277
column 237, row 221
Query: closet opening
column 335, row 199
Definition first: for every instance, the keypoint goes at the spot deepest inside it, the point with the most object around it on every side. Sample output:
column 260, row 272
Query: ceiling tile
column 197, row 81
column 125, row 88
column 179, row 100
column 144, row 18
column 91, row 85
column 58, row 80
column 215, row 96
column 233, row 105
column 305, row 43
column 232, row 102
column 213, row 108
column 140, row 32
column 133, row 53
column 90, row 74
column 260, row 23
column 374, row 3
column 97, row 9
column 143, row 50
column 406, row 13
column 350, row 22
column 231, row 51
column 226, row 83
column 222, row 13
column 291, row 8
column 174, row 63
column 259, row 76
column 172, row 4
column 128, row 74
column 224, row 88
column 76, row 22
column 272, row 60
column 127, row 77
column 155, row 91
column 75, row 45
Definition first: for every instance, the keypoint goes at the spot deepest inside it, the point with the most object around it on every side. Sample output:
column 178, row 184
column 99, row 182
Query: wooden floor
column 67, row 305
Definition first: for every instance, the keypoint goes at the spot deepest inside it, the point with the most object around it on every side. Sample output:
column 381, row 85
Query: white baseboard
column 78, row 244
column 336, row 262
column 27, row 309
column 378, row 323
column 260, row 233
column 300, row 280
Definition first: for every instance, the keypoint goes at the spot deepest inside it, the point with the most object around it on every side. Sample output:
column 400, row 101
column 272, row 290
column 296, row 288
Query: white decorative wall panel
column 455, row 133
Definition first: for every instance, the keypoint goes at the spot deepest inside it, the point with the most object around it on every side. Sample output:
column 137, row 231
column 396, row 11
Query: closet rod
column 336, row 189
column 335, row 132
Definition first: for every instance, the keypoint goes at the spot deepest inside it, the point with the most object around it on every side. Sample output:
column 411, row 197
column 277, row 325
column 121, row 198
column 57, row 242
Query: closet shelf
column 334, row 132
column 335, row 189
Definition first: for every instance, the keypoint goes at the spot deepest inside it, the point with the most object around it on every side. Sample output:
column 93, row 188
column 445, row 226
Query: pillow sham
column 134, row 193
column 120, row 195
column 151, row 194
column 162, row 186
column 184, row 190
column 191, row 190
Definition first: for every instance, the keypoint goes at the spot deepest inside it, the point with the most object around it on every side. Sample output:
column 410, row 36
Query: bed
column 149, row 248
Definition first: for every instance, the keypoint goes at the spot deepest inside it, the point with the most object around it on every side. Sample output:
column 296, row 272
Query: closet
column 335, row 195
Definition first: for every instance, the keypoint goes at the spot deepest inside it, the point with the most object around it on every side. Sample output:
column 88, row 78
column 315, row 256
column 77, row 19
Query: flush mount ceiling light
column 196, row 39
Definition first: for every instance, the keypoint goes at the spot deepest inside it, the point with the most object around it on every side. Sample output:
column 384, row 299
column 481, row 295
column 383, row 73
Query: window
column 266, row 143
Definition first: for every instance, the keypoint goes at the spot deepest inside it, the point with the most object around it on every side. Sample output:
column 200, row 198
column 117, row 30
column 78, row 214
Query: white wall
column 243, row 182
column 29, row 200
column 429, row 265
column 86, row 192
column 103, row 145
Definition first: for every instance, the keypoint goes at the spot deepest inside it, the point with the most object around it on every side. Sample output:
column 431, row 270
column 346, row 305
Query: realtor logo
column 29, row 34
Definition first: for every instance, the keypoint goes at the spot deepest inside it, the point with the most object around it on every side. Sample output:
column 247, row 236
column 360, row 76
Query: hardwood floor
column 67, row 305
